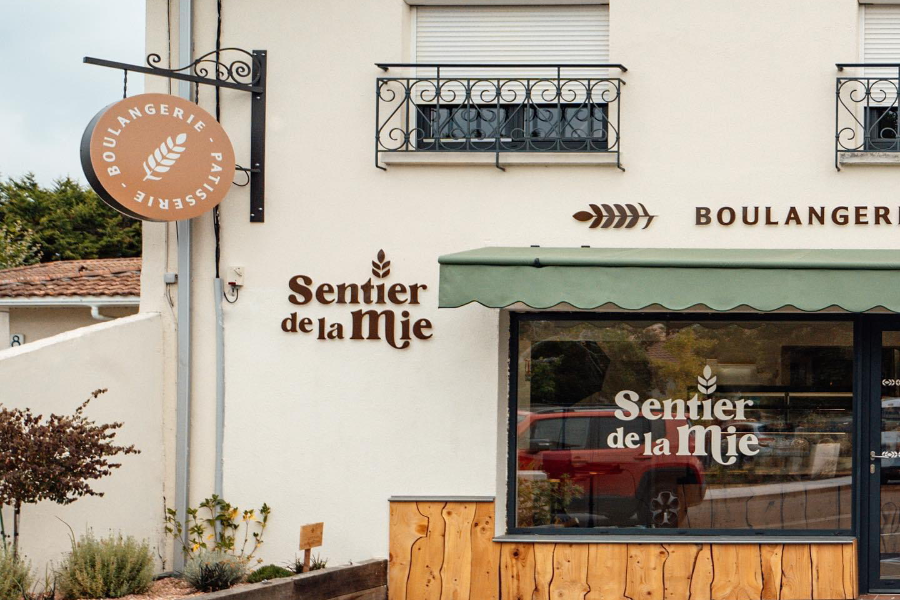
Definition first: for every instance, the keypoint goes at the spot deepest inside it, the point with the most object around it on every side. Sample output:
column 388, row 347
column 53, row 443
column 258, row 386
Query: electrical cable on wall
column 215, row 213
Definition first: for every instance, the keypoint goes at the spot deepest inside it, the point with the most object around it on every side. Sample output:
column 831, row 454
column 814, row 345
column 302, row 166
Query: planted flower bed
column 364, row 581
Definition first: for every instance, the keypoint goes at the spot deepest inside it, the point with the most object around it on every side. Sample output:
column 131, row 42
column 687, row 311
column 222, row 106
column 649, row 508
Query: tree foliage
column 53, row 459
column 65, row 222
column 18, row 246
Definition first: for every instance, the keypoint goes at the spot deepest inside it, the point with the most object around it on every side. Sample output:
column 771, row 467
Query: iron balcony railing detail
column 498, row 108
column 866, row 109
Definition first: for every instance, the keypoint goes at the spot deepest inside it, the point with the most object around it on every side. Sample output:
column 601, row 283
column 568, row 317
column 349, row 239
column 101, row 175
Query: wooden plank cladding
column 444, row 551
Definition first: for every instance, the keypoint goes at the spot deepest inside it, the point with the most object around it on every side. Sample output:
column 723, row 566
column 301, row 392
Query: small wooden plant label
column 310, row 537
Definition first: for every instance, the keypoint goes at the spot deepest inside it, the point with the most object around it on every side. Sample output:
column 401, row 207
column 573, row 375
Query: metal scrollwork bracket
column 246, row 74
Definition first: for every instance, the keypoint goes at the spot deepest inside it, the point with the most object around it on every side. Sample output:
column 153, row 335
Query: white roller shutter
column 881, row 38
column 512, row 34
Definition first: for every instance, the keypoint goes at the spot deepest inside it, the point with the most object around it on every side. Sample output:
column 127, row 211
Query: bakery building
column 538, row 299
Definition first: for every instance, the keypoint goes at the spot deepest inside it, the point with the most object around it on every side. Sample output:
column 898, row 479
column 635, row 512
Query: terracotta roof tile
column 97, row 277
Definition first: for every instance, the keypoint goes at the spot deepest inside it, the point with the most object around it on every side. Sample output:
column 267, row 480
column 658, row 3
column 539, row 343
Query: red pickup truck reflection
column 619, row 486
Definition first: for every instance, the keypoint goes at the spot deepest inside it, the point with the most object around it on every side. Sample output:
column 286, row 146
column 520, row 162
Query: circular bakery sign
column 157, row 157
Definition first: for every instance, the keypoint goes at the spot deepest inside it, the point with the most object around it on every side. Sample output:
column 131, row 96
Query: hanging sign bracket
column 245, row 74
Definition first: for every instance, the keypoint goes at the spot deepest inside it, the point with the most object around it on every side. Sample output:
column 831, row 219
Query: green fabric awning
column 677, row 279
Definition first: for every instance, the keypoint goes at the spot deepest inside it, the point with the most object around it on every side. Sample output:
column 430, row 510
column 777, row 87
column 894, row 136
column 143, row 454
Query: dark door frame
column 868, row 439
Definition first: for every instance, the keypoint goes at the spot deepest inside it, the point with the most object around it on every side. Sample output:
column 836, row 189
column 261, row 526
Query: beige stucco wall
column 725, row 103
column 37, row 323
column 57, row 374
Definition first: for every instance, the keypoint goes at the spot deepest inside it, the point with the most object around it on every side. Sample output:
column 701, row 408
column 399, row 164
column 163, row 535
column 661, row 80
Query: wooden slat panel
column 796, row 576
column 516, row 571
column 679, row 569
column 444, row 551
column 424, row 581
column 827, row 571
column 702, row 577
column 407, row 526
column 485, row 555
column 456, row 572
column 851, row 583
column 770, row 557
column 570, row 572
column 645, row 571
column 607, row 571
column 736, row 572
column 543, row 570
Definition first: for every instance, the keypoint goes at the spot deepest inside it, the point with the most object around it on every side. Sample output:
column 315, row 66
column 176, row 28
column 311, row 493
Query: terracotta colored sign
column 157, row 157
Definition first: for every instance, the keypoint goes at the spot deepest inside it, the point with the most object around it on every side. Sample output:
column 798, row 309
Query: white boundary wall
column 55, row 375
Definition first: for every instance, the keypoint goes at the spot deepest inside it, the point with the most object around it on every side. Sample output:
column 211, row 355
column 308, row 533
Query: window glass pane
column 468, row 122
column 695, row 425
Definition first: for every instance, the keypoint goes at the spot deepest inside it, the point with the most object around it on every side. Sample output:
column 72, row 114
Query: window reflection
column 699, row 425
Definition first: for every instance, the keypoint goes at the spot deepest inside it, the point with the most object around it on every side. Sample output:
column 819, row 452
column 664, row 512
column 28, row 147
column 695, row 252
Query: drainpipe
column 183, row 371
column 95, row 314
column 218, row 293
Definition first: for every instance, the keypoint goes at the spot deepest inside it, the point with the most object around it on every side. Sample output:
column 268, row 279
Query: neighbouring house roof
column 103, row 277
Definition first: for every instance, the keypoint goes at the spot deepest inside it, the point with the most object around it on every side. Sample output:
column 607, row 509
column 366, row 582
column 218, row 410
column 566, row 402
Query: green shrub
column 268, row 572
column 110, row 567
column 211, row 571
column 15, row 576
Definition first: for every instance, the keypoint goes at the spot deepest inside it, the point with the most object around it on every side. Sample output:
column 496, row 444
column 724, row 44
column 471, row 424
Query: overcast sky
column 47, row 95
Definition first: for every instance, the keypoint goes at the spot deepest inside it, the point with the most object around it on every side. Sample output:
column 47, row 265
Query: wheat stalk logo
column 162, row 159
column 706, row 383
column 381, row 268
column 617, row 216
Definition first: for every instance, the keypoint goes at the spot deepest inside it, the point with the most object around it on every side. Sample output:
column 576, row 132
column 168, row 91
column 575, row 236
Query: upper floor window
column 550, row 91
column 867, row 93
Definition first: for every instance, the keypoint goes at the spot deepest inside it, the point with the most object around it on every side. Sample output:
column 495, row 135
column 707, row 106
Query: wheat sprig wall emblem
column 163, row 158
column 381, row 267
column 617, row 216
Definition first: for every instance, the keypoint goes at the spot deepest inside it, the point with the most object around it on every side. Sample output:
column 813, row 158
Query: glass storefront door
column 882, row 463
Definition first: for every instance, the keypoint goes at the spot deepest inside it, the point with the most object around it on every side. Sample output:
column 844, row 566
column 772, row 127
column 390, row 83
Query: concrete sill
column 872, row 159
column 507, row 159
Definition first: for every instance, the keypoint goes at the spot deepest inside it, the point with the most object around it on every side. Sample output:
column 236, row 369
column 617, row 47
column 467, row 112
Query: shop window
column 632, row 425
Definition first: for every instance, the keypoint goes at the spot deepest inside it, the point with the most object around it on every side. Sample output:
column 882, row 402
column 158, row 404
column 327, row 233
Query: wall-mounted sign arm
column 247, row 74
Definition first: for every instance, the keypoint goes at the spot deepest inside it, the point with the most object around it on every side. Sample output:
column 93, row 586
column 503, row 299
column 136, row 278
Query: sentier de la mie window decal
column 725, row 444
column 387, row 316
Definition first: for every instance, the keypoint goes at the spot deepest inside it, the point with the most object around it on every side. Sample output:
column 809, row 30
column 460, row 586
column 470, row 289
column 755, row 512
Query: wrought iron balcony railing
column 498, row 108
column 866, row 109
